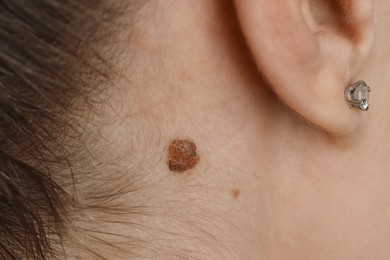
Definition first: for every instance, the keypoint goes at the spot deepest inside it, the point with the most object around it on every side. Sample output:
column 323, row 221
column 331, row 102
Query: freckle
column 236, row 193
column 182, row 155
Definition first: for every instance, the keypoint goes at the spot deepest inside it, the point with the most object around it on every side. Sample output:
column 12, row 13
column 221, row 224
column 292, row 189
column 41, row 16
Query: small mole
column 182, row 155
column 236, row 193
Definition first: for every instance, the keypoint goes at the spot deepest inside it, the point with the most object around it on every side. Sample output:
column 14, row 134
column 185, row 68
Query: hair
column 51, row 67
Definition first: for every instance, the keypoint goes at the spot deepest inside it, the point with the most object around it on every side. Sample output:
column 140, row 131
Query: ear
column 310, row 51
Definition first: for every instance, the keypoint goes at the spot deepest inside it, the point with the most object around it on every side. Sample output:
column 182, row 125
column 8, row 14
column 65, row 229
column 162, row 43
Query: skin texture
column 270, row 186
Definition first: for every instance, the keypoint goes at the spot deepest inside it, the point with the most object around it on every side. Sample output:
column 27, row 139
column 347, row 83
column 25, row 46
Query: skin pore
column 269, row 185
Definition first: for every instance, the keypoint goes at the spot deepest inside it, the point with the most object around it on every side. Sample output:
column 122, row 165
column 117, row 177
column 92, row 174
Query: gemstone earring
column 357, row 95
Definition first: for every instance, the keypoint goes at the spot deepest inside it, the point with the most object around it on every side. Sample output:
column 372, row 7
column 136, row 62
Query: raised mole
column 182, row 155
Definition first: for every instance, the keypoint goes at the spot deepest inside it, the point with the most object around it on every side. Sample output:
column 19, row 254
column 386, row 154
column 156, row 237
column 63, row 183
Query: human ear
column 310, row 51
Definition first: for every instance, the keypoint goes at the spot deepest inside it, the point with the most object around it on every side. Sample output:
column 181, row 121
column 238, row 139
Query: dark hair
column 50, row 66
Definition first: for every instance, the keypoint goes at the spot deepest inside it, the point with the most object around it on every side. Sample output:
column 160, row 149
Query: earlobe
column 311, row 53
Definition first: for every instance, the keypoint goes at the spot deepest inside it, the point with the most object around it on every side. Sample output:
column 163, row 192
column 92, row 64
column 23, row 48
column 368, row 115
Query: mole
column 236, row 193
column 182, row 155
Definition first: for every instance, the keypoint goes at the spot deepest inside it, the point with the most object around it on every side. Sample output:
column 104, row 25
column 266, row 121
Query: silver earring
column 357, row 95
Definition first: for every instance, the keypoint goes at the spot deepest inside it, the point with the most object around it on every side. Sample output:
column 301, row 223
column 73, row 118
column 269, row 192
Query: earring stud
column 357, row 95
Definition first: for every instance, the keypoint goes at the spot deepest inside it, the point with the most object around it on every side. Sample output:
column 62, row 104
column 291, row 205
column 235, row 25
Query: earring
column 357, row 95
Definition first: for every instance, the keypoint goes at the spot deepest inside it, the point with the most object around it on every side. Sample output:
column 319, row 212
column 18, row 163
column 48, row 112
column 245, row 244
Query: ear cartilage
column 357, row 95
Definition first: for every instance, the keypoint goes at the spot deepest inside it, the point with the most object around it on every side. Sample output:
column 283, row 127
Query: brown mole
column 182, row 155
column 236, row 193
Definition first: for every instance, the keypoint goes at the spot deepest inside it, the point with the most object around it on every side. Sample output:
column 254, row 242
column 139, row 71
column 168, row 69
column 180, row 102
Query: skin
column 269, row 185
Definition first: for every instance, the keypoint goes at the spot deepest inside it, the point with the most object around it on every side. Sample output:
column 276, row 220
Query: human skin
column 269, row 185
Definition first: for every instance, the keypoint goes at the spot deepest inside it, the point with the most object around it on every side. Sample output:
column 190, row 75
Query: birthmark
column 182, row 155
